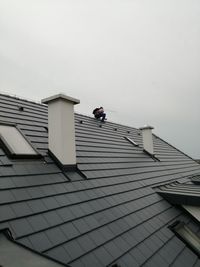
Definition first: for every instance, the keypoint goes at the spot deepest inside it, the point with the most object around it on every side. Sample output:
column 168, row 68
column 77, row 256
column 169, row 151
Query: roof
column 106, row 212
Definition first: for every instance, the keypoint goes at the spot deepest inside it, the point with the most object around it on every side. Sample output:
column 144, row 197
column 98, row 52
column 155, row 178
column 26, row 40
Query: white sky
column 139, row 59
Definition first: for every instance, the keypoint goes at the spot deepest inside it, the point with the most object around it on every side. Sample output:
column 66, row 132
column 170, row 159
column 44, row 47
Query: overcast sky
column 140, row 59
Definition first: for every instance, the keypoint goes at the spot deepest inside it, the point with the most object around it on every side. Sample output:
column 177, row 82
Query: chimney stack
column 61, row 128
column 147, row 139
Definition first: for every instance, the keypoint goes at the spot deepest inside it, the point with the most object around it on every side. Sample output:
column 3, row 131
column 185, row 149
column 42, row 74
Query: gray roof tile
column 55, row 235
column 88, row 260
column 73, row 249
column 21, row 227
column 40, row 241
column 52, row 218
column 6, row 196
column 38, row 222
column 185, row 258
column 103, row 256
column 128, row 260
column 69, row 230
column 36, row 205
column 60, row 254
column 21, row 209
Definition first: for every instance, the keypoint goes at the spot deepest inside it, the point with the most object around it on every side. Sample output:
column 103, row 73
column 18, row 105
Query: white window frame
column 15, row 140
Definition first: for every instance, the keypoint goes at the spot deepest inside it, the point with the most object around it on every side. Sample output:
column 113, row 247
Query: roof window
column 187, row 236
column 131, row 141
column 14, row 142
column 193, row 210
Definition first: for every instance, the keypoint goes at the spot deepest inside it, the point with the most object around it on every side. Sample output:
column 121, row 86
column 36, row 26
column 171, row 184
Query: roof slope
column 112, row 216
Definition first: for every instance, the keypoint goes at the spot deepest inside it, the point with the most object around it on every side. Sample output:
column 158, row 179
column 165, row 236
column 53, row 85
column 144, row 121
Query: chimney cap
column 146, row 127
column 60, row 96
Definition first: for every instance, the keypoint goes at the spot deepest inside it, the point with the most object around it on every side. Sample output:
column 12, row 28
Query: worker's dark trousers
column 103, row 116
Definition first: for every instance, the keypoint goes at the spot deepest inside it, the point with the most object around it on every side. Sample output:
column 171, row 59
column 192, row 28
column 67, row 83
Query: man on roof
column 99, row 114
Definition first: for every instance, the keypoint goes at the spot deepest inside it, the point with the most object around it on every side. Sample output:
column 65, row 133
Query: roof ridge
column 25, row 99
column 108, row 121
column 17, row 97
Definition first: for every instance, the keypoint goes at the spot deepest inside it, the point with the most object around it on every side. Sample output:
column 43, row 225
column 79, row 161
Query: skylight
column 131, row 141
column 14, row 142
column 186, row 234
column 193, row 210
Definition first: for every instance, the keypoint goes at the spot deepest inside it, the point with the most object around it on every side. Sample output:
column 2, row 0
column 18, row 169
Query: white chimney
column 147, row 138
column 61, row 128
